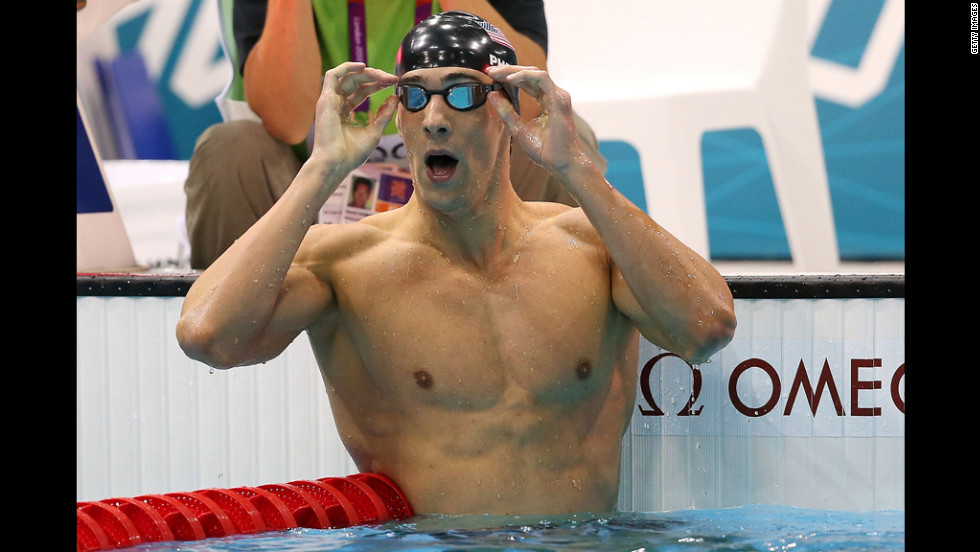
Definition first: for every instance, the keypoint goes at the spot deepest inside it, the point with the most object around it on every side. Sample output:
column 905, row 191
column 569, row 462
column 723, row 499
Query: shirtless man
column 478, row 350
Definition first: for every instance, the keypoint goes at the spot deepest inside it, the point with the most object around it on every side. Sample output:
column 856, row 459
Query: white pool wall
column 150, row 420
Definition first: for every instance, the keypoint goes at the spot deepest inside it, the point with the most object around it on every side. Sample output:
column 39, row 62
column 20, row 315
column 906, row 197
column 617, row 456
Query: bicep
column 656, row 331
column 303, row 299
column 282, row 73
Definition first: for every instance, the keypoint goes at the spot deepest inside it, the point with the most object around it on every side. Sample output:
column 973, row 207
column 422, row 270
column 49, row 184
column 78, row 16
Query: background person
column 240, row 168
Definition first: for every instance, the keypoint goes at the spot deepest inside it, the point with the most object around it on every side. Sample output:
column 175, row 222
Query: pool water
column 745, row 528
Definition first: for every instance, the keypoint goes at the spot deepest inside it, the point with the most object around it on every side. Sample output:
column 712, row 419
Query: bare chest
column 537, row 329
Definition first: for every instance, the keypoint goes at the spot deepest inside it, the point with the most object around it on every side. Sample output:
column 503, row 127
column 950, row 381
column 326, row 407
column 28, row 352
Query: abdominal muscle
column 510, row 460
column 504, row 393
column 474, row 439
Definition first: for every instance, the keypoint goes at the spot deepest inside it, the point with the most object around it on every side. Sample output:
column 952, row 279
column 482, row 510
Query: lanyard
column 357, row 31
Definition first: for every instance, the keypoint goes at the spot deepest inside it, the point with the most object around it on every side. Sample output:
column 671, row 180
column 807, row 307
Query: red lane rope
column 326, row 503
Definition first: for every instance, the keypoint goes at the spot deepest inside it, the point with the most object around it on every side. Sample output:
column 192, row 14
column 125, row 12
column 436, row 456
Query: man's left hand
column 550, row 139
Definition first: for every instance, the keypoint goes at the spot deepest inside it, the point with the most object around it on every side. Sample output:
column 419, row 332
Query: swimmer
column 478, row 350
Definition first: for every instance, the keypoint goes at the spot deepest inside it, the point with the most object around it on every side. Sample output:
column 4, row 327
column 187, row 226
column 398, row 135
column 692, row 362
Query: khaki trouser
column 238, row 171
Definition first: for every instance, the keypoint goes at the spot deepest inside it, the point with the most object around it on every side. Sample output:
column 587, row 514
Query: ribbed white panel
column 150, row 420
column 723, row 457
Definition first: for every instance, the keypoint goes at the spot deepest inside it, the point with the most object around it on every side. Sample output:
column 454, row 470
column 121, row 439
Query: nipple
column 583, row 370
column 423, row 379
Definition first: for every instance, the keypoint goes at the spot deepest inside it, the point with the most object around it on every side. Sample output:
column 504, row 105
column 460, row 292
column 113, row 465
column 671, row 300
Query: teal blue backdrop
column 864, row 149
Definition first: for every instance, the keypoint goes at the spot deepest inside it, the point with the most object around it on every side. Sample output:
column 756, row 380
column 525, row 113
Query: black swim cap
column 456, row 39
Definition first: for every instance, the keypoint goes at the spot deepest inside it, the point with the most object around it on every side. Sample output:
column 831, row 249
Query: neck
column 480, row 232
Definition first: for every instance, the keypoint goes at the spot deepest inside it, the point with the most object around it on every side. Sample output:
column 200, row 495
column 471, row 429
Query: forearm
column 282, row 73
column 252, row 301
column 672, row 294
column 686, row 304
column 226, row 315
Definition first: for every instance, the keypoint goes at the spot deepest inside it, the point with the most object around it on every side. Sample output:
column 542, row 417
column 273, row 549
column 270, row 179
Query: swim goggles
column 461, row 97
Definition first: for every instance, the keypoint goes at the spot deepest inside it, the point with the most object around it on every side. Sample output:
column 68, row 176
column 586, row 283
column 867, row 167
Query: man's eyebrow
column 460, row 76
column 453, row 78
column 414, row 79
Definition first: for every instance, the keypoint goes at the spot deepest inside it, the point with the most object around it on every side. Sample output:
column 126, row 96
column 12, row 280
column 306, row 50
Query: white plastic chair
column 680, row 68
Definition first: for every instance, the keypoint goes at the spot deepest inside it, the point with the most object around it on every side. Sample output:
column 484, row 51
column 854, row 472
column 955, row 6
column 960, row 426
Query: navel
column 584, row 369
column 423, row 379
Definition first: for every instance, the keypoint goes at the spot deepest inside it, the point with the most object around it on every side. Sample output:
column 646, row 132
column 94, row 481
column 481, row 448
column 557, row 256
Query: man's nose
column 436, row 120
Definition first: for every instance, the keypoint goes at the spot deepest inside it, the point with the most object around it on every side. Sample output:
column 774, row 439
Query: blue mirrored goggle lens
column 461, row 97
column 414, row 98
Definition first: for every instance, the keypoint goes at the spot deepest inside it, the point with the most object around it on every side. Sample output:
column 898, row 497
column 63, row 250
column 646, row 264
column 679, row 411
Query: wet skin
column 502, row 389
column 477, row 349
column 474, row 355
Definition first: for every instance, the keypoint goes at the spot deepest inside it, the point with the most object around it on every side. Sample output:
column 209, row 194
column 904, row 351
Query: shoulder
column 570, row 222
column 546, row 209
column 559, row 214
column 326, row 244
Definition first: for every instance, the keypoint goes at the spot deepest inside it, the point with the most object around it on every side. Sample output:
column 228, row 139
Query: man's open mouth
column 441, row 166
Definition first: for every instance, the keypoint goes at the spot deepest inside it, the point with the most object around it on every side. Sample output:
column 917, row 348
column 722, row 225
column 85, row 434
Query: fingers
column 385, row 112
column 362, row 92
column 333, row 78
column 531, row 80
column 506, row 110
column 356, row 72
column 353, row 82
column 535, row 83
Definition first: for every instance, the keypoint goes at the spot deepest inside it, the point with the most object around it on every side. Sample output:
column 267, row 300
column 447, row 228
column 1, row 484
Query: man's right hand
column 336, row 139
